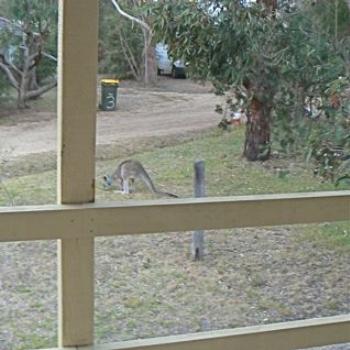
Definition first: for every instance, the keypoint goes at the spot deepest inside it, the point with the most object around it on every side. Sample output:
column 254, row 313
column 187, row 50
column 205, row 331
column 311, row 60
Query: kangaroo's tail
column 168, row 194
column 149, row 183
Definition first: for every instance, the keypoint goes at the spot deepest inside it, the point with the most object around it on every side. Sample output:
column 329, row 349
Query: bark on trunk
column 152, row 66
column 23, row 84
column 33, row 80
column 150, row 70
column 257, row 141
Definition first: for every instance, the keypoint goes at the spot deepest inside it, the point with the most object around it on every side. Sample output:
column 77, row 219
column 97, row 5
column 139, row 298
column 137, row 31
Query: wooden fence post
column 78, row 35
column 197, row 247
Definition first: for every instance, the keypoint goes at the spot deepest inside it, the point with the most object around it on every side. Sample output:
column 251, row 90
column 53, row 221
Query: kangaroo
column 130, row 170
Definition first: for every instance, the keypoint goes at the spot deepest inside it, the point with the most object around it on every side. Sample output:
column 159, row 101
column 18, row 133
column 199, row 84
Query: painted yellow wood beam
column 77, row 68
column 134, row 217
column 279, row 336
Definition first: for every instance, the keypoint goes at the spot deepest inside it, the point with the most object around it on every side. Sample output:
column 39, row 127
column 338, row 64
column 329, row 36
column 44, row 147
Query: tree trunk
column 150, row 68
column 146, row 44
column 257, row 141
column 21, row 103
column 151, row 63
column 33, row 81
column 24, row 79
column 257, row 144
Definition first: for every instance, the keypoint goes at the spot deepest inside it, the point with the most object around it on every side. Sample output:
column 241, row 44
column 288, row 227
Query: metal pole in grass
column 197, row 246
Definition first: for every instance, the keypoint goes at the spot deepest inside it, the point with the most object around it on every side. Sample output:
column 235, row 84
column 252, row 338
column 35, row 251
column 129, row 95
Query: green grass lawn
column 227, row 174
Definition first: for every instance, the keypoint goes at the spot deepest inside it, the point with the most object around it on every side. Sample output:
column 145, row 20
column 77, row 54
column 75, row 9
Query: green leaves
column 121, row 38
column 284, row 61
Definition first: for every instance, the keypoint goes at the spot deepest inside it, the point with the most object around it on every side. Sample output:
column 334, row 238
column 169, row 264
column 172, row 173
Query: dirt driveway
column 171, row 109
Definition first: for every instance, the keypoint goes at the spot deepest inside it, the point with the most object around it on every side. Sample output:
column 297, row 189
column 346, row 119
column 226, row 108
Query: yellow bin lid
column 110, row 81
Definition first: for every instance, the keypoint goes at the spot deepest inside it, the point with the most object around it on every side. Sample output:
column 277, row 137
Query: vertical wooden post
column 197, row 247
column 78, row 35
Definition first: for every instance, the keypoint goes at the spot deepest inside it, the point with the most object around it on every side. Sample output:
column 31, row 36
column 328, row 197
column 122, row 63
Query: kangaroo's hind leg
column 126, row 189
column 131, row 185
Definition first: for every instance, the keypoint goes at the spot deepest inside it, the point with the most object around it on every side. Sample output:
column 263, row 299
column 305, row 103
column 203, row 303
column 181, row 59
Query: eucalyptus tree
column 271, row 57
column 29, row 46
column 223, row 41
column 327, row 138
column 127, row 39
column 120, row 43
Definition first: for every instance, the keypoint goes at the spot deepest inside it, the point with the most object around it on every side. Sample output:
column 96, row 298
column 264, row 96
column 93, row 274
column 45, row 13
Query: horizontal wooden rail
column 92, row 220
column 279, row 336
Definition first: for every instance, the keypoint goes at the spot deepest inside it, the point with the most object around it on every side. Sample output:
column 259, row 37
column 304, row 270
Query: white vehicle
column 166, row 65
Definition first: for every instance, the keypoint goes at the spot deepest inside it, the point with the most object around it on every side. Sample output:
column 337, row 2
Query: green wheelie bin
column 109, row 90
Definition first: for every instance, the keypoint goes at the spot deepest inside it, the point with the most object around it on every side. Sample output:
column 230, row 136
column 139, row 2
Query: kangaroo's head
column 107, row 181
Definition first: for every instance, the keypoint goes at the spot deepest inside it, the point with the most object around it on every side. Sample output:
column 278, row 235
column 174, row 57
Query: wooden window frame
column 76, row 220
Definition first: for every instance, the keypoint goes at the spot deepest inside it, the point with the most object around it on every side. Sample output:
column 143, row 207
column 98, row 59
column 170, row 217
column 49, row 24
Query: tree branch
column 10, row 75
column 38, row 92
column 49, row 56
column 11, row 65
column 129, row 55
column 10, row 23
column 147, row 34
column 130, row 17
